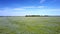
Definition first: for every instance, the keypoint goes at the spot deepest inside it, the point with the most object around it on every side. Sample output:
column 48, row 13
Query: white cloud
column 18, row 9
column 53, row 9
column 11, row 11
column 23, row 8
column 42, row 1
column 35, row 7
column 29, row 7
column 50, row 10
column 42, row 7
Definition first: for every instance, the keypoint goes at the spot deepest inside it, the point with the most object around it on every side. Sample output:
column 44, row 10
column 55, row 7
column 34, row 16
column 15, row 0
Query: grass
column 29, row 25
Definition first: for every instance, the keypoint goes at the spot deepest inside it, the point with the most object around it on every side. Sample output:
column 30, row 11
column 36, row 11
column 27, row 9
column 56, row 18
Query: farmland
column 29, row 25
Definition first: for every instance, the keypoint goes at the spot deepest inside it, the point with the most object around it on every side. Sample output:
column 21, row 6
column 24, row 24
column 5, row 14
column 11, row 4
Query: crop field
column 29, row 25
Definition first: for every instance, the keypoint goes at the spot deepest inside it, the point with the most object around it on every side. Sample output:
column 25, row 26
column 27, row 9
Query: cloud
column 53, row 9
column 42, row 7
column 18, row 9
column 29, row 7
column 50, row 9
column 42, row 1
column 22, row 11
column 11, row 11
column 34, row 7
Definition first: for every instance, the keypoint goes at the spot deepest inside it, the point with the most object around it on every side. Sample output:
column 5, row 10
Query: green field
column 29, row 25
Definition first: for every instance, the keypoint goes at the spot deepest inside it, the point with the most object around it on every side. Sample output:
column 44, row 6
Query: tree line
column 36, row 16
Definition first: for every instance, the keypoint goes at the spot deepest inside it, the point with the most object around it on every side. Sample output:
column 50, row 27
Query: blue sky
column 29, row 7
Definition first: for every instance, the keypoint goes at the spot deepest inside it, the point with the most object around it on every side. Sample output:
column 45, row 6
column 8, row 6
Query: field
column 29, row 25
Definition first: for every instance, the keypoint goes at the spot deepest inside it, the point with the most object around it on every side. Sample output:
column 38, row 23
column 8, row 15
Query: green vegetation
column 32, row 16
column 36, row 16
column 29, row 25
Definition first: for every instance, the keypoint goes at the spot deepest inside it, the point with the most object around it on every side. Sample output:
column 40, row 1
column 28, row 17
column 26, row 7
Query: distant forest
column 40, row 16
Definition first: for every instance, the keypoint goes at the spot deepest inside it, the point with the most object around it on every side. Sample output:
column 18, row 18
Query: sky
column 29, row 7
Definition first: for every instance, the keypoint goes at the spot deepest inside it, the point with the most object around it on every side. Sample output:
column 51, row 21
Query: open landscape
column 29, row 16
column 29, row 25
